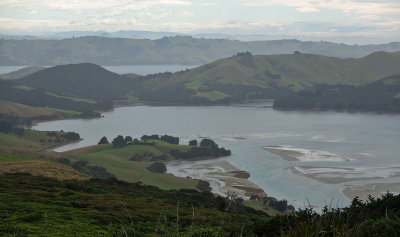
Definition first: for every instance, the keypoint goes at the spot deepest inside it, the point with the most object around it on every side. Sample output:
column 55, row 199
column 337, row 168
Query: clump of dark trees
column 166, row 138
column 280, row 205
column 206, row 148
column 157, row 167
column 91, row 170
column 120, row 141
column 203, row 186
column 5, row 126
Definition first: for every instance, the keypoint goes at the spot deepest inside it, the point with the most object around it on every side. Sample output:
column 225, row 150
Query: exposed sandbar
column 374, row 189
column 284, row 154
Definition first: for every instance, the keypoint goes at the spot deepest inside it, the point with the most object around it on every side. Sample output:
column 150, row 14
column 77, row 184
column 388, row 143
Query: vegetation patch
column 22, row 87
column 44, row 206
column 212, row 95
column 70, row 98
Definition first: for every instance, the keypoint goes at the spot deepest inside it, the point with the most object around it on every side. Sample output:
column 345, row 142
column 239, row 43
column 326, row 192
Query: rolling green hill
column 247, row 77
column 82, row 80
column 183, row 50
column 240, row 78
column 38, row 100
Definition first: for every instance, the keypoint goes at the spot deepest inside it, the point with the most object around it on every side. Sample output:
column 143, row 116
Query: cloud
column 346, row 6
column 307, row 9
column 73, row 5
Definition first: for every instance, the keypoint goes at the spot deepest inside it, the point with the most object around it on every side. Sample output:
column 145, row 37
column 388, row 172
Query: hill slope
column 27, row 100
column 246, row 77
column 380, row 96
column 83, row 80
column 183, row 50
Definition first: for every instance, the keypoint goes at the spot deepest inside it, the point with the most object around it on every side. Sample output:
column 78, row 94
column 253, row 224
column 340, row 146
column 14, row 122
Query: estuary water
column 304, row 157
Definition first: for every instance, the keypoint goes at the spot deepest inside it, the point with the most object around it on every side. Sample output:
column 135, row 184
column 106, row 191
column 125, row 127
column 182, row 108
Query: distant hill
column 237, row 79
column 21, row 73
column 184, row 50
column 379, row 96
column 83, row 80
column 26, row 95
column 248, row 77
column 23, row 111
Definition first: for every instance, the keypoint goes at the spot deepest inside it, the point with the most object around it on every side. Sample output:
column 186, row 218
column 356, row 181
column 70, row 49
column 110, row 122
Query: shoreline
column 222, row 176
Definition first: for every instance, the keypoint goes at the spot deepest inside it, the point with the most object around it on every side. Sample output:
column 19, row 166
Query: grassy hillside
column 33, row 140
column 168, row 50
column 84, row 80
column 24, row 111
column 32, row 97
column 117, row 161
column 379, row 96
column 246, row 77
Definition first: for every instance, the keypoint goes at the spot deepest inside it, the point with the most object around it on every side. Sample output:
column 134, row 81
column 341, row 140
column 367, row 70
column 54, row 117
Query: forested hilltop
column 184, row 50
column 380, row 96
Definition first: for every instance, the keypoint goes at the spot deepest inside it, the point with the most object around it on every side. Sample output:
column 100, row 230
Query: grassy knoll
column 33, row 140
column 24, row 111
column 117, row 161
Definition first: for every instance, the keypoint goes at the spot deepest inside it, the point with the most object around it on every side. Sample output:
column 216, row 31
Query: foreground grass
column 45, row 206
column 31, row 205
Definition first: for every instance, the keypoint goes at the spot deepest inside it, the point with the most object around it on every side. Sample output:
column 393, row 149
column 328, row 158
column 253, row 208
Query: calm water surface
column 354, row 140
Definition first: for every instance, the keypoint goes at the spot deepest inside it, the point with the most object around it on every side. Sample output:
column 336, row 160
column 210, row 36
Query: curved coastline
column 222, row 176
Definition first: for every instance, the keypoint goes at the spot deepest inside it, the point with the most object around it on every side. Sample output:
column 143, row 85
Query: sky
column 339, row 20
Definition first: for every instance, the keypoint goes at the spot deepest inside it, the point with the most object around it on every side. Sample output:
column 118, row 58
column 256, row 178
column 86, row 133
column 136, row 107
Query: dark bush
column 157, row 167
column 104, row 140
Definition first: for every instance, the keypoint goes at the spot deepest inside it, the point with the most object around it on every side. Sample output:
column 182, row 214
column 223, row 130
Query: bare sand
column 329, row 177
column 375, row 186
column 284, row 154
column 222, row 176
column 374, row 189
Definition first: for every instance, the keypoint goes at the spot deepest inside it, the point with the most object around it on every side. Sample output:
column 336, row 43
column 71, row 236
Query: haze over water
column 368, row 143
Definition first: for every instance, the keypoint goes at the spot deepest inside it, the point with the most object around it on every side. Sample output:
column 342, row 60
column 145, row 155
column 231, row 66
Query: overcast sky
column 312, row 19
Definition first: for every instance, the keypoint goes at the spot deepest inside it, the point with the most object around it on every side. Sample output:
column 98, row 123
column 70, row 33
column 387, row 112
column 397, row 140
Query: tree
column 157, row 167
column 5, row 127
column 207, row 143
column 119, row 142
column 128, row 139
column 193, row 143
column 103, row 140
